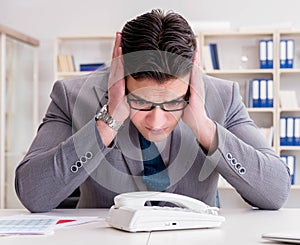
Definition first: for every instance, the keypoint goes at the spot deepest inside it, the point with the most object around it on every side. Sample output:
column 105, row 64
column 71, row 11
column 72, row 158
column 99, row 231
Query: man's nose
column 157, row 117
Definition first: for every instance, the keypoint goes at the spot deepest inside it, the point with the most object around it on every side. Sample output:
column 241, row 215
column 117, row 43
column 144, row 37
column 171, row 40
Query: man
column 153, row 98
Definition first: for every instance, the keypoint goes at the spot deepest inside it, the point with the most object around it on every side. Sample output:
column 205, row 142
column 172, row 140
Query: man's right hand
column 118, row 107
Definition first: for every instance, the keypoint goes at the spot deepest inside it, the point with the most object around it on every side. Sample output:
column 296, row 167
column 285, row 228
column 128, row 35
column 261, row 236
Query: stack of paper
column 38, row 224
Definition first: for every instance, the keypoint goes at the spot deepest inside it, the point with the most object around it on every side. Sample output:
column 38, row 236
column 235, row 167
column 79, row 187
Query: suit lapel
column 128, row 142
column 183, row 152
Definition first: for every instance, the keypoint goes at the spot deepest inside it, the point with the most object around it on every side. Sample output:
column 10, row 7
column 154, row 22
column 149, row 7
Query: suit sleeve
column 58, row 161
column 246, row 161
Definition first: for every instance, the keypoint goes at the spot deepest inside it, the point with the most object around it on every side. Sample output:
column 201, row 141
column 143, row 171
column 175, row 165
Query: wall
column 44, row 20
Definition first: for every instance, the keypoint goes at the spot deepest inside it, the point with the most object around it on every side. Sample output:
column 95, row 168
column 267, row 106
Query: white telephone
column 130, row 213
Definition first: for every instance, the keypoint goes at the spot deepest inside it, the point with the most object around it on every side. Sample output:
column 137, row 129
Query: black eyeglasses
column 144, row 105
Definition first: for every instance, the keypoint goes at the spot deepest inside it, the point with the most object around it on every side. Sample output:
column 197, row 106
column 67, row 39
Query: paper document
column 38, row 224
column 27, row 225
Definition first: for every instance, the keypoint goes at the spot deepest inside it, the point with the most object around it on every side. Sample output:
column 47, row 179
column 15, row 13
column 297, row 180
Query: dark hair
column 158, row 46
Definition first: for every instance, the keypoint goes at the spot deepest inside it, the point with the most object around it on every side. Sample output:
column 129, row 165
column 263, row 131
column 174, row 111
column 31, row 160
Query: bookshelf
column 232, row 46
column 81, row 50
column 18, row 106
column 289, row 80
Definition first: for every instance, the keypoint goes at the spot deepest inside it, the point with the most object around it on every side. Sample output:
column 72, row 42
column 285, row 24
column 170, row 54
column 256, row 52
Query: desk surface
column 242, row 226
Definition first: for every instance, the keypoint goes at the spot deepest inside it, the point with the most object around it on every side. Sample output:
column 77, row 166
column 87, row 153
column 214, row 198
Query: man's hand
column 117, row 104
column 195, row 115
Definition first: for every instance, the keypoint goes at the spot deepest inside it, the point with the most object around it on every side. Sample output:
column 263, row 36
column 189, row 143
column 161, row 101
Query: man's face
column 156, row 124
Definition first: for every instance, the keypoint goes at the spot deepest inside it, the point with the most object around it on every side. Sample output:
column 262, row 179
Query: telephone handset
column 130, row 213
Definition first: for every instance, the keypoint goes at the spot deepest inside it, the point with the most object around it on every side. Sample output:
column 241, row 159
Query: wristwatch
column 105, row 117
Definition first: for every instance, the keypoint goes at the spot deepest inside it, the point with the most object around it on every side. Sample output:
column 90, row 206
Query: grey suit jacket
column 68, row 152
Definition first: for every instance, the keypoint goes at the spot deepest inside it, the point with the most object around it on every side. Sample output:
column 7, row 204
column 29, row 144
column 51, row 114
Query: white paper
column 33, row 224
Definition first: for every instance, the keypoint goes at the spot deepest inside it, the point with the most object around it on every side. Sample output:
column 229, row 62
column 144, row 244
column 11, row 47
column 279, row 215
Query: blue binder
column 270, row 94
column 283, row 53
column 290, row 161
column 263, row 54
column 255, row 93
column 289, row 130
column 283, row 125
column 290, row 53
column 262, row 93
column 214, row 55
column 296, row 131
column 270, row 56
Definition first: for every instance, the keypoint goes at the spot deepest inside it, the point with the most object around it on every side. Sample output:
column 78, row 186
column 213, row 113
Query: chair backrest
column 71, row 201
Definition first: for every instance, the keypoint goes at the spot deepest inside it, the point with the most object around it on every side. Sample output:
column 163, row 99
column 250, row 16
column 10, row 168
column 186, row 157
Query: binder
column 283, row 54
column 263, row 54
column 262, row 93
column 214, row 55
column 290, row 130
column 290, row 53
column 291, row 160
column 270, row 93
column 269, row 54
column 282, row 131
column 255, row 93
column 296, row 131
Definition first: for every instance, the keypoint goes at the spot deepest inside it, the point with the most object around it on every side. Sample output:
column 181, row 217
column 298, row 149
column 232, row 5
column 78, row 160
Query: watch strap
column 104, row 116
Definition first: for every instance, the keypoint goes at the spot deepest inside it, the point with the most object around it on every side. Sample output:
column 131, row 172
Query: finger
column 117, row 69
column 117, row 45
column 196, row 59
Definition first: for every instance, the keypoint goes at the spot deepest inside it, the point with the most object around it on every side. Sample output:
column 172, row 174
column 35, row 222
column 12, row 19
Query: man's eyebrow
column 139, row 98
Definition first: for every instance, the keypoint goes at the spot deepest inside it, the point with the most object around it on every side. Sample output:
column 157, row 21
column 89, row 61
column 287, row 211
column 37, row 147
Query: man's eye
column 175, row 102
column 140, row 102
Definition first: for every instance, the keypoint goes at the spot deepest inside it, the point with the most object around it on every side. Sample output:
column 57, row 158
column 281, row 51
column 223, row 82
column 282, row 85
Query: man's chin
column 157, row 135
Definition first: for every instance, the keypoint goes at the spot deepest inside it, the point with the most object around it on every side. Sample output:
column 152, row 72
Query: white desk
column 242, row 226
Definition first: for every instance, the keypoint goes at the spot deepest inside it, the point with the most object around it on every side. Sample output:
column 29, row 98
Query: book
column 91, row 66
column 214, row 56
column 65, row 63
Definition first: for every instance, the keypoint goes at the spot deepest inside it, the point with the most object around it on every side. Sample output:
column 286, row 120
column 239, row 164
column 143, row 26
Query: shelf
column 262, row 110
column 289, row 148
column 72, row 51
column 66, row 38
column 236, row 34
column 295, row 187
column 73, row 74
column 237, row 71
column 289, row 109
column 289, row 71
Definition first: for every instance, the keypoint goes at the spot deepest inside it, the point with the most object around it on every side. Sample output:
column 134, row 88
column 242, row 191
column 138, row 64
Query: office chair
column 71, row 201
